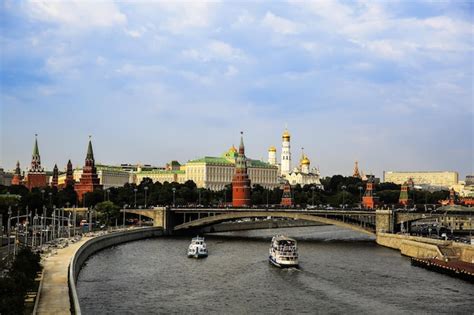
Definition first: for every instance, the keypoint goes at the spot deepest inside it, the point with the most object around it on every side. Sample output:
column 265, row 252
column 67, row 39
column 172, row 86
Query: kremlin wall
column 216, row 172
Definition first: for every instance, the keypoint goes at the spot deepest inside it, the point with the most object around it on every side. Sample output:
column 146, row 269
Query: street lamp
column 174, row 197
column 124, row 207
column 146, row 189
column 343, row 195
column 9, row 227
column 360, row 194
column 135, row 190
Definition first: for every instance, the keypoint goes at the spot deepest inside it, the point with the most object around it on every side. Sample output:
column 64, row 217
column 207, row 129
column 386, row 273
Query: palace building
column 427, row 179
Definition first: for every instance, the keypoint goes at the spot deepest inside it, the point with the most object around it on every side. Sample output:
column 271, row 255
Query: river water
column 340, row 272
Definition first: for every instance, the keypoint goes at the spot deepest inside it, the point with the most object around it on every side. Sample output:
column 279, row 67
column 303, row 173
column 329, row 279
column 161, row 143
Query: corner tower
column 241, row 181
column 285, row 153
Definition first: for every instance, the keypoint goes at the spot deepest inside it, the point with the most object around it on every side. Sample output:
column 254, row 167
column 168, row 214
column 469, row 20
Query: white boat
column 283, row 252
column 197, row 248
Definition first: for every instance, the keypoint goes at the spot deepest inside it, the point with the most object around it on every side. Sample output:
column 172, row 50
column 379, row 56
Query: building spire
column 90, row 152
column 241, row 146
column 35, row 148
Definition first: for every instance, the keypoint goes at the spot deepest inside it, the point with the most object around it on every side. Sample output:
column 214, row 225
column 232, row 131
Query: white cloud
column 184, row 16
column 231, row 71
column 77, row 14
column 215, row 50
column 243, row 20
column 279, row 25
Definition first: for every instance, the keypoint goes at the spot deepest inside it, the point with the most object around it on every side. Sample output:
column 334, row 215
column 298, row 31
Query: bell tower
column 285, row 153
column 241, row 181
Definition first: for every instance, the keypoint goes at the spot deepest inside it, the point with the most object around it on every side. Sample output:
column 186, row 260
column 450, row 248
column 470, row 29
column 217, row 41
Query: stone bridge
column 370, row 222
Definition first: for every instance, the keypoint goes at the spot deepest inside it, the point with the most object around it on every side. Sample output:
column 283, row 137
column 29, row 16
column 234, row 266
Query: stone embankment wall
column 270, row 224
column 422, row 247
column 96, row 244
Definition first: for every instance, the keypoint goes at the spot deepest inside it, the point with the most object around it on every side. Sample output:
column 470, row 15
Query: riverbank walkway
column 54, row 293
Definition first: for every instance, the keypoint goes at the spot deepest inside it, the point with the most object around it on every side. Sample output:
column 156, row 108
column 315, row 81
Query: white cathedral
column 301, row 174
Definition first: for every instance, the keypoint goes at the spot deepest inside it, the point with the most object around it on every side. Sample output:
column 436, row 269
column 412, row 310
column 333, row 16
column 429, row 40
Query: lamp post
column 135, row 191
column 360, row 194
column 146, row 189
column 9, row 227
column 343, row 195
column 42, row 195
column 124, row 207
column 313, row 188
column 174, row 197
column 267, row 197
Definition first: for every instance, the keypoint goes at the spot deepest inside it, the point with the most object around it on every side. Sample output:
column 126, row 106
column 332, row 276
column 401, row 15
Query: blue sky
column 389, row 84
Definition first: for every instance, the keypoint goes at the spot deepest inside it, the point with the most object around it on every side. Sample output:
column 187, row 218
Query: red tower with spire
column 89, row 180
column 369, row 201
column 404, row 199
column 69, row 175
column 36, row 176
column 286, row 199
column 54, row 179
column 17, row 178
column 241, row 181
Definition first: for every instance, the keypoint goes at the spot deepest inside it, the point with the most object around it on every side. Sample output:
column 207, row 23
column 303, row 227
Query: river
column 340, row 272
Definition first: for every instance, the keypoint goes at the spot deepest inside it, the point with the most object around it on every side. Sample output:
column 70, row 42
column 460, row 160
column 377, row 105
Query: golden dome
column 272, row 149
column 286, row 135
column 233, row 149
column 305, row 161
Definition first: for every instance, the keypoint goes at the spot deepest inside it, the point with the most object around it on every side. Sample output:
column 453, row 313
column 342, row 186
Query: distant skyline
column 387, row 84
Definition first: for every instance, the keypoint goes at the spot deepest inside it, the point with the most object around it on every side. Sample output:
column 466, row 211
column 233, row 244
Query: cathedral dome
column 286, row 135
column 305, row 161
column 233, row 149
column 272, row 149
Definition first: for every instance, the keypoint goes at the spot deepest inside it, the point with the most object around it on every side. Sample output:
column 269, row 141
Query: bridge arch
column 223, row 217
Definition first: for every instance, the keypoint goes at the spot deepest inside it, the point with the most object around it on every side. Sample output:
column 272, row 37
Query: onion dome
column 272, row 149
column 233, row 149
column 305, row 161
column 286, row 135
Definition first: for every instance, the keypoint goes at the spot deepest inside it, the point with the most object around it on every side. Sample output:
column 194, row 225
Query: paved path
column 54, row 295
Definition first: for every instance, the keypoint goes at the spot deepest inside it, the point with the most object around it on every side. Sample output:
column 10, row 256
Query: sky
column 386, row 83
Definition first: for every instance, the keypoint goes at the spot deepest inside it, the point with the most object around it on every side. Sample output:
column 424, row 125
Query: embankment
column 96, row 244
column 422, row 247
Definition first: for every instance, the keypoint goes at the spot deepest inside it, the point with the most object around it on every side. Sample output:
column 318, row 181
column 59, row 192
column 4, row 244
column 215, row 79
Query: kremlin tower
column 356, row 170
column 285, row 154
column 369, row 201
column 69, row 175
column 89, row 180
column 286, row 199
column 36, row 176
column 404, row 199
column 241, row 181
column 17, row 178
column 54, row 179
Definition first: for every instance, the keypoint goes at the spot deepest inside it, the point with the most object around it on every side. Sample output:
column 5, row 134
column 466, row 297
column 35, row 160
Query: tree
column 107, row 211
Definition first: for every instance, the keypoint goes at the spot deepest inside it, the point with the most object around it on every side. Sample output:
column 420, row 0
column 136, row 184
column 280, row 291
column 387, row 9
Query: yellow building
column 217, row 172
column 439, row 179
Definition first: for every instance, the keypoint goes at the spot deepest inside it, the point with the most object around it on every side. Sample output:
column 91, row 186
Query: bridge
column 192, row 219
